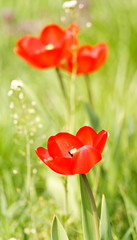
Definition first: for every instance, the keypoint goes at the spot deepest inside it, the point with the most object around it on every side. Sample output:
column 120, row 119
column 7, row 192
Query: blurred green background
column 114, row 89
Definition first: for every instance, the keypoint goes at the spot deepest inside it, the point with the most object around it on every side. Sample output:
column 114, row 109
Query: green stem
column 97, row 180
column 72, row 103
column 87, row 81
column 28, row 163
column 72, row 93
column 66, row 194
column 67, row 105
column 93, row 205
column 62, row 86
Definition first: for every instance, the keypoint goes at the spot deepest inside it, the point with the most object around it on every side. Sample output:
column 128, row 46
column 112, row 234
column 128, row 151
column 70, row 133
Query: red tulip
column 68, row 154
column 88, row 58
column 49, row 48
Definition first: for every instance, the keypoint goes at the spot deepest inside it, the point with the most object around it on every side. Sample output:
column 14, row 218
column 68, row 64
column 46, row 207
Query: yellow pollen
column 49, row 47
column 72, row 151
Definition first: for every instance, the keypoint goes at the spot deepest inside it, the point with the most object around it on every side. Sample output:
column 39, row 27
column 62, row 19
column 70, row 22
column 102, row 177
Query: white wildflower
column 69, row 4
column 12, row 238
column 16, row 85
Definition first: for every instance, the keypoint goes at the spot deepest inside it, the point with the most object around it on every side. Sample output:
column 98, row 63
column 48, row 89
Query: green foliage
column 105, row 228
column 89, row 231
column 58, row 232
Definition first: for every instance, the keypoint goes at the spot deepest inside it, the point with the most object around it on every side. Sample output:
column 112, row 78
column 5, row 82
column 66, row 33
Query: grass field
column 27, row 205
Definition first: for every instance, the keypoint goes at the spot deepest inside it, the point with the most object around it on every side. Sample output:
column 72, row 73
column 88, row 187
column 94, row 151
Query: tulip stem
column 93, row 205
column 87, row 81
column 62, row 85
column 66, row 194
column 72, row 94
column 97, row 180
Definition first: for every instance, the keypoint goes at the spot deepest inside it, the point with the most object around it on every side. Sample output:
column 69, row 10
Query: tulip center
column 49, row 47
column 72, row 151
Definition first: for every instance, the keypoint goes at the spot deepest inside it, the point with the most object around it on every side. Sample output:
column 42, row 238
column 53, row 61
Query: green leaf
column 58, row 232
column 87, row 214
column 93, row 117
column 130, row 230
column 105, row 227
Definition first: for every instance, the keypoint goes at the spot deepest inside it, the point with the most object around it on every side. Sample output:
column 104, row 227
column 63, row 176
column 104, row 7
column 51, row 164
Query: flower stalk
column 87, row 81
column 62, row 86
column 93, row 205
column 28, row 164
column 66, row 194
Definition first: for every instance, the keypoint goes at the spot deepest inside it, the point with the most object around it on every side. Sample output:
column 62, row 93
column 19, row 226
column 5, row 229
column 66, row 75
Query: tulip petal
column 73, row 28
column 33, row 51
column 30, row 45
column 86, row 135
column 91, row 58
column 61, row 144
column 52, row 34
column 100, row 141
column 59, row 165
column 43, row 154
column 84, row 159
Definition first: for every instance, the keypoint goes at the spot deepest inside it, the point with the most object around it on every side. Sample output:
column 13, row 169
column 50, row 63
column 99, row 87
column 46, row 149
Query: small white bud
column 21, row 95
column 33, row 230
column 10, row 93
column 40, row 125
column 63, row 18
column 12, row 105
column 81, row 5
column 15, row 116
column 34, row 170
column 15, row 121
column 15, row 171
column 31, row 133
column 27, row 231
column 37, row 119
column 33, row 103
column 31, row 141
column 31, row 110
column 24, row 106
column 88, row 24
